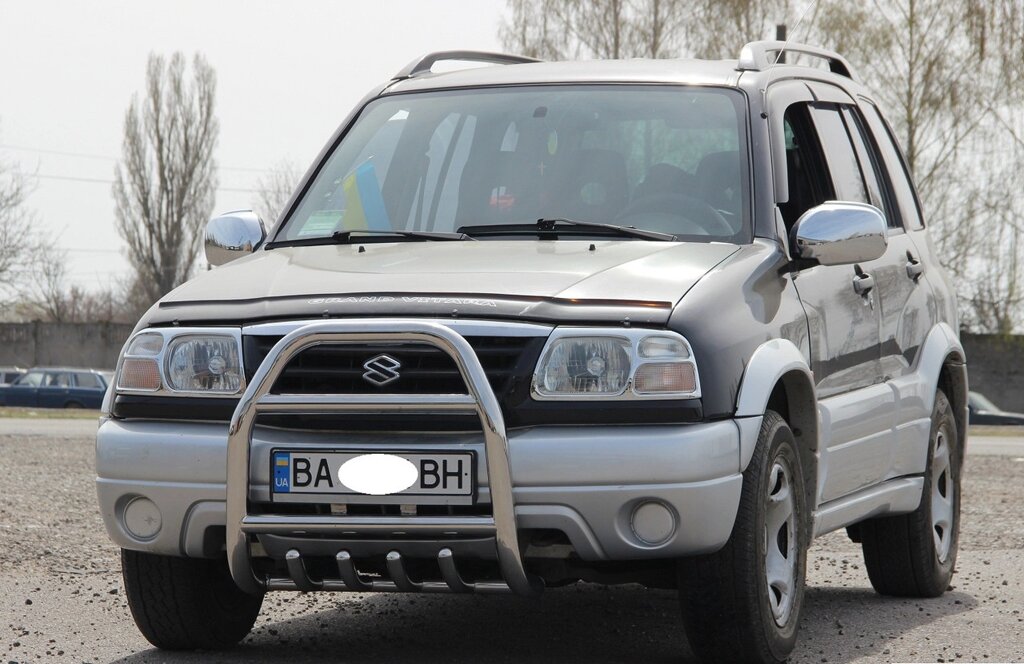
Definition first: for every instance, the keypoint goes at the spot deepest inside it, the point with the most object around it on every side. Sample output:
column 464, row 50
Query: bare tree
column 951, row 80
column 18, row 239
column 274, row 188
column 561, row 29
column 48, row 295
column 166, row 180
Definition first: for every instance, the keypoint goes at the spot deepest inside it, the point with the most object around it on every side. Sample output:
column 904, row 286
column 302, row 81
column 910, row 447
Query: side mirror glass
column 838, row 233
column 233, row 235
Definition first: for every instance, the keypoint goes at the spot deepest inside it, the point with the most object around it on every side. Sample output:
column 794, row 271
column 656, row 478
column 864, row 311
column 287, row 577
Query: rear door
column 56, row 390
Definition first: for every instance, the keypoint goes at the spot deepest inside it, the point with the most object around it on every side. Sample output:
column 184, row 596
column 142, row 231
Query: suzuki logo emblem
column 381, row 370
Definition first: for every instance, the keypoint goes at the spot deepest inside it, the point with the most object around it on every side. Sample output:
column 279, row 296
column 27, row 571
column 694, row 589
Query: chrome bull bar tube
column 480, row 401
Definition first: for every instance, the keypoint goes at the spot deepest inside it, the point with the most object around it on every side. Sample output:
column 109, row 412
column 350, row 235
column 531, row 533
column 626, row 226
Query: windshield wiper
column 349, row 237
column 549, row 227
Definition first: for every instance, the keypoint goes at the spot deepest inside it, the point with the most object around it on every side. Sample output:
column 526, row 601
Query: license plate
column 434, row 477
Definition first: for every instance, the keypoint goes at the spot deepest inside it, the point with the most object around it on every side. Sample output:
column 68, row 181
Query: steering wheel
column 673, row 208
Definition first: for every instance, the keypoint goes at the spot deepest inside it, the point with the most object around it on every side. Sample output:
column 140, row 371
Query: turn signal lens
column 657, row 377
column 139, row 374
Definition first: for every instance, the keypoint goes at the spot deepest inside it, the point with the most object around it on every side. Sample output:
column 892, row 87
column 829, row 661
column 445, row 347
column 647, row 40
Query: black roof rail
column 755, row 56
column 424, row 64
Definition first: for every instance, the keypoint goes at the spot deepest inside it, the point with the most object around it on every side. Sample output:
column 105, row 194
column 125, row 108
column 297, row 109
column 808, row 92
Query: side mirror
column 837, row 233
column 232, row 236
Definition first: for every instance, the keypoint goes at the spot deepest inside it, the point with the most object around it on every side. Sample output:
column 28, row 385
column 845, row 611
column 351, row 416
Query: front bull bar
column 480, row 400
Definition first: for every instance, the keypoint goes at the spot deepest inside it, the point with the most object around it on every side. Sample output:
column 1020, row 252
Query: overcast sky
column 287, row 74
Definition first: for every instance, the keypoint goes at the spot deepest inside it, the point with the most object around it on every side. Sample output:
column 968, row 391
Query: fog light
column 653, row 523
column 142, row 518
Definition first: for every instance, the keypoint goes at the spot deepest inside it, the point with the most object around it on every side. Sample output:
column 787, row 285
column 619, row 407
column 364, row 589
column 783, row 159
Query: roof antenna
column 780, row 33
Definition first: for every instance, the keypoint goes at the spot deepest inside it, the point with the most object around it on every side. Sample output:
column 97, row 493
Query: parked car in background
column 982, row 411
column 59, row 387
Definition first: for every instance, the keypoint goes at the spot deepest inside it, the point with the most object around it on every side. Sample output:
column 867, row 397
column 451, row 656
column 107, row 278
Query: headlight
column 204, row 364
column 583, row 363
column 174, row 361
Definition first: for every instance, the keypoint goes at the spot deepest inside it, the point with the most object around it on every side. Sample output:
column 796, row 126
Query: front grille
column 424, row 369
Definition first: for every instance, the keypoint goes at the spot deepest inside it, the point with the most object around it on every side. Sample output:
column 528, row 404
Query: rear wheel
column 742, row 603
column 73, row 404
column 187, row 603
column 913, row 555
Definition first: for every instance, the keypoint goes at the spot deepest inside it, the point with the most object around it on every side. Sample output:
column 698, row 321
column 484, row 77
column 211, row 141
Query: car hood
column 515, row 278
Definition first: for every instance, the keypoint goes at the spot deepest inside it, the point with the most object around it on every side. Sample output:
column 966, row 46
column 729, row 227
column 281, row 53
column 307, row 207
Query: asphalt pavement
column 61, row 597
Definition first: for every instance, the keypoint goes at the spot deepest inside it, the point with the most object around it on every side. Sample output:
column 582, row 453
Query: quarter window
column 88, row 380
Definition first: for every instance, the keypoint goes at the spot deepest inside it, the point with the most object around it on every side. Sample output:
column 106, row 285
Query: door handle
column 863, row 283
column 915, row 268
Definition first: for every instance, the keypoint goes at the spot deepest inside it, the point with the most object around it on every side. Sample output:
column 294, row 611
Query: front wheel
column 742, row 603
column 187, row 603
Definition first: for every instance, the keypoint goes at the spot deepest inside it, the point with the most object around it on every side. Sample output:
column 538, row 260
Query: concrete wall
column 995, row 363
column 92, row 345
column 995, row 367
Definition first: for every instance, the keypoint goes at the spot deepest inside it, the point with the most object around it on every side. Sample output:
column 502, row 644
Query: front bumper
column 588, row 483
column 584, row 482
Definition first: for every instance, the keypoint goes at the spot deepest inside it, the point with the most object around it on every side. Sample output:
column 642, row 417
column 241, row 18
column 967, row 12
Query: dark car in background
column 982, row 411
column 56, row 388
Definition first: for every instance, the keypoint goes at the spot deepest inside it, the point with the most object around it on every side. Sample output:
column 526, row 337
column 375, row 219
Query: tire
column 732, row 610
column 914, row 555
column 73, row 404
column 187, row 603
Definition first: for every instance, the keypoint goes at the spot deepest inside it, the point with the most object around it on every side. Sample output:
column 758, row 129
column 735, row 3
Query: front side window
column 670, row 159
column 808, row 178
column 840, row 155
column 32, row 379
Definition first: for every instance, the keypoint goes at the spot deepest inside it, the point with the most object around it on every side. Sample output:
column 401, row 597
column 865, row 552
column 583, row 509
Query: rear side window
column 60, row 380
column 88, row 380
column 842, row 159
column 896, row 167
column 872, row 168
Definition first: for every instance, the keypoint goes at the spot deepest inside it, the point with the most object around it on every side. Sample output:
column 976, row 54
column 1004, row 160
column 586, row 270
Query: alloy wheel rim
column 943, row 497
column 780, row 542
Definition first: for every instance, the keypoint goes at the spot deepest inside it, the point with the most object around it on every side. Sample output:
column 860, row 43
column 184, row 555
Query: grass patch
column 49, row 413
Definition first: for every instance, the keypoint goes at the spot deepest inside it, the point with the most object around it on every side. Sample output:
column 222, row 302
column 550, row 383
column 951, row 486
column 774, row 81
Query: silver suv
column 523, row 325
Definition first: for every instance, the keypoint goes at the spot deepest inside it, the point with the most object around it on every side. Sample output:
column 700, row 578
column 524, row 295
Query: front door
column 845, row 306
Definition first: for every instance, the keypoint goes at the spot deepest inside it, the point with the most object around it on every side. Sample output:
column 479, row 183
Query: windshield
column 670, row 159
